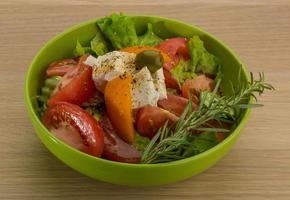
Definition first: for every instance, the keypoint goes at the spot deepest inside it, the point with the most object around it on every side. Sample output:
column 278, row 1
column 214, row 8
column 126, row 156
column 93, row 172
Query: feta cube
column 110, row 66
column 143, row 89
column 159, row 83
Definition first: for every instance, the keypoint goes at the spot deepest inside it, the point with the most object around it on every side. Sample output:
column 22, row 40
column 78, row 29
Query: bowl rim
column 34, row 115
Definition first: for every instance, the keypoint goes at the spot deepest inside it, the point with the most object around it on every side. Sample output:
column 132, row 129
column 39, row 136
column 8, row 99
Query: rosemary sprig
column 176, row 142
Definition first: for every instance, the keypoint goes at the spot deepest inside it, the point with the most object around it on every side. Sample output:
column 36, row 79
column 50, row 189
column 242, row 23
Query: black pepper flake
column 122, row 76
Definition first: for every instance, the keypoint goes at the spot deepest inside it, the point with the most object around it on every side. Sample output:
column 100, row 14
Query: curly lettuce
column 121, row 32
column 201, row 60
column 182, row 71
column 149, row 38
column 99, row 45
column 81, row 50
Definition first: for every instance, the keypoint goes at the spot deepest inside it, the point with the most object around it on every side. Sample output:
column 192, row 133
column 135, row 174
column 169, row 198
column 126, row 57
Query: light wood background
column 258, row 167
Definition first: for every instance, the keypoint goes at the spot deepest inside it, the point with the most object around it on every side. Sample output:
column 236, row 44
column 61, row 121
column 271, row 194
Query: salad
column 140, row 98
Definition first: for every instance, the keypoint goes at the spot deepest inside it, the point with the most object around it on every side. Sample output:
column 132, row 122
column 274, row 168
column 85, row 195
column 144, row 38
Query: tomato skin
column 174, row 104
column 60, row 68
column 115, row 148
column 199, row 84
column 175, row 48
column 75, row 87
column 170, row 81
column 150, row 118
column 74, row 116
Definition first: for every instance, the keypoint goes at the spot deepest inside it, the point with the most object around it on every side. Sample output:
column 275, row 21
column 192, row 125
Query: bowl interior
column 62, row 46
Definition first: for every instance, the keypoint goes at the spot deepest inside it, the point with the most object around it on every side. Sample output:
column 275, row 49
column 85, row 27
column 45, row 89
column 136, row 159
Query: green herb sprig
column 175, row 142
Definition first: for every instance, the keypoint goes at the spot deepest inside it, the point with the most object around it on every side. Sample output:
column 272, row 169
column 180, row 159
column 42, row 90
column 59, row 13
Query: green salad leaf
column 182, row 71
column 45, row 92
column 80, row 50
column 149, row 38
column 99, row 44
column 119, row 30
column 201, row 60
column 205, row 141
column 140, row 142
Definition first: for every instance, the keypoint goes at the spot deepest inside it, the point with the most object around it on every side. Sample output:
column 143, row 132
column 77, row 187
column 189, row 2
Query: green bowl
column 62, row 46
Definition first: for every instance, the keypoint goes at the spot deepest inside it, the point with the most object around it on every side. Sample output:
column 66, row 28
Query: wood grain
column 258, row 167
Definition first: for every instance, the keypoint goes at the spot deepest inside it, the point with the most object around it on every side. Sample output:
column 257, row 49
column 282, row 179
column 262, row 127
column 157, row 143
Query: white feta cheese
column 159, row 84
column 110, row 65
column 91, row 60
column 143, row 89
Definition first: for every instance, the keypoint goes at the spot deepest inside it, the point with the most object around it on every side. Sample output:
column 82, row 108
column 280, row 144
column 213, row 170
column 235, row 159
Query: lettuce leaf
column 80, row 50
column 140, row 142
column 201, row 60
column 182, row 71
column 149, row 38
column 119, row 30
column 205, row 141
column 99, row 45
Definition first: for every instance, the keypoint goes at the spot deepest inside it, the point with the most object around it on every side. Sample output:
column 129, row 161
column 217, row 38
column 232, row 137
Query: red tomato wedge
column 169, row 80
column 174, row 104
column 76, row 127
column 75, row 87
column 150, row 118
column 199, row 84
column 115, row 148
column 60, row 68
column 175, row 48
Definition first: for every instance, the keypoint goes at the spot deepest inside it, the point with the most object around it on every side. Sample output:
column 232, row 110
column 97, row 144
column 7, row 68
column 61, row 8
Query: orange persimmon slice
column 119, row 106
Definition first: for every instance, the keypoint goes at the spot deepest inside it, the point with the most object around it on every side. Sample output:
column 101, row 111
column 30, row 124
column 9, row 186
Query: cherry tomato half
column 115, row 148
column 170, row 81
column 75, row 127
column 75, row 87
column 150, row 118
column 199, row 84
column 60, row 68
column 175, row 48
column 174, row 104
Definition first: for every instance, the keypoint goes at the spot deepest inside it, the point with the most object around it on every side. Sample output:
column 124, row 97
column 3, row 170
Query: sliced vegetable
column 174, row 104
column 175, row 48
column 75, row 87
column 115, row 148
column 76, row 127
column 170, row 81
column 201, row 60
column 151, row 59
column 119, row 106
column 61, row 67
column 150, row 118
column 197, row 85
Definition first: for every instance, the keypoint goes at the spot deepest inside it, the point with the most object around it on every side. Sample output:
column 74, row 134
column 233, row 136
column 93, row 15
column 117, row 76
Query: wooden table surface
column 258, row 167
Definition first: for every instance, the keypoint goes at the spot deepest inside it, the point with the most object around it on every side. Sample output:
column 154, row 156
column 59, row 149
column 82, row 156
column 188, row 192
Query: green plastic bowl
column 62, row 46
